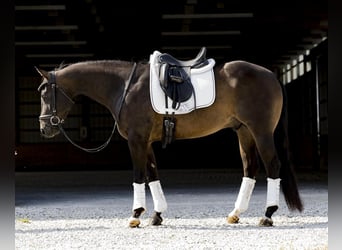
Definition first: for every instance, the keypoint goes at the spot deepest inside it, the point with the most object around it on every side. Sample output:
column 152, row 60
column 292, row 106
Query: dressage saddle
column 175, row 76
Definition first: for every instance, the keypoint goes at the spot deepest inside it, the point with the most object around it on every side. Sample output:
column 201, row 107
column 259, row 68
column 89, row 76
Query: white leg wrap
column 244, row 196
column 139, row 199
column 273, row 187
column 158, row 197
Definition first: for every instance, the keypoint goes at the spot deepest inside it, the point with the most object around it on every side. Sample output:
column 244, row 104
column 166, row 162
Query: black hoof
column 156, row 219
column 266, row 222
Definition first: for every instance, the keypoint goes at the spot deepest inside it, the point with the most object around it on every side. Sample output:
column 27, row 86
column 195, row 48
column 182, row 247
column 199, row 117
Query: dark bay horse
column 249, row 99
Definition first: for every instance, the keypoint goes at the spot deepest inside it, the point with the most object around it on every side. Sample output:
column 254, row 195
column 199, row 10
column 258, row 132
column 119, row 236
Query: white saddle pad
column 203, row 81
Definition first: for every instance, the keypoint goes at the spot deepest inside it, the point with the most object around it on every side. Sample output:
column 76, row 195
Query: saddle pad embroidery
column 203, row 81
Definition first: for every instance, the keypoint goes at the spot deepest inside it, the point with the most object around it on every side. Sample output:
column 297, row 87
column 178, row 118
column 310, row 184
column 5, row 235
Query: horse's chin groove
column 232, row 219
column 266, row 222
column 49, row 136
column 50, row 133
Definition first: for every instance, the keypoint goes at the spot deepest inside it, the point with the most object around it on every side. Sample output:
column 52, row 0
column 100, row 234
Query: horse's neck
column 99, row 84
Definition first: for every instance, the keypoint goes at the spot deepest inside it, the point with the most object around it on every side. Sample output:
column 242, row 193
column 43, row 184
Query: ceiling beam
column 48, row 43
column 59, row 55
column 47, row 27
column 200, row 33
column 207, row 16
column 211, row 47
column 40, row 7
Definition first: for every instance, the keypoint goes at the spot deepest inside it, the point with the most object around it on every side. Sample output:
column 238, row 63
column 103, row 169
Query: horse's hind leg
column 250, row 164
column 269, row 156
column 157, row 193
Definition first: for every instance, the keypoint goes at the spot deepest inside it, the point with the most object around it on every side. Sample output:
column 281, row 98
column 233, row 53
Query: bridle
column 53, row 117
column 56, row 121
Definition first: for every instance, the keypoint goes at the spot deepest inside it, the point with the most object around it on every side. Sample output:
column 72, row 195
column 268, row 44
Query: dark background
column 49, row 33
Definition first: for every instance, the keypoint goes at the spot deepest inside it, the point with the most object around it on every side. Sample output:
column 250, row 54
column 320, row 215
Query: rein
column 56, row 121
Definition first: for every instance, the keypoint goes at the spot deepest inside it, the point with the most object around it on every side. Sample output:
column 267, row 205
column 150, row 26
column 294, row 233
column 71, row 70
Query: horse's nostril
column 42, row 131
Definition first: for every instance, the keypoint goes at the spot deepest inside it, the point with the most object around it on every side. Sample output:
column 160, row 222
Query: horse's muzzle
column 49, row 132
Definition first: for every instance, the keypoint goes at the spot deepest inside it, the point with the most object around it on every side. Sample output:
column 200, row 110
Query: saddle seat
column 197, row 61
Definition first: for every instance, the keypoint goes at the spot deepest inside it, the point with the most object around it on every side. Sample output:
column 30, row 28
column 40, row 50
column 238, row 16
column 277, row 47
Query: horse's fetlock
column 138, row 212
column 270, row 211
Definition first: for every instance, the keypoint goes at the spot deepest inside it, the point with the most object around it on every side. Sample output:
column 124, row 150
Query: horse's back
column 239, row 68
column 255, row 92
column 241, row 75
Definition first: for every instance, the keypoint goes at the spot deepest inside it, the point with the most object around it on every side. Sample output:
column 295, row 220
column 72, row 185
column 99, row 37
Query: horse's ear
column 42, row 72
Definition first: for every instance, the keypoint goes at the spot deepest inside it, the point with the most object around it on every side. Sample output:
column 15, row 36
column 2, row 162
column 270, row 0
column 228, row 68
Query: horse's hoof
column 266, row 222
column 233, row 219
column 134, row 222
column 156, row 219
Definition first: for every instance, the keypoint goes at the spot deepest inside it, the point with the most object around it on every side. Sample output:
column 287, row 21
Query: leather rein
column 56, row 121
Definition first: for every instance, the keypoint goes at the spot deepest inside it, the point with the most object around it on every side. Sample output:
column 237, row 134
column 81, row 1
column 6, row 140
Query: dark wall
column 219, row 150
column 309, row 134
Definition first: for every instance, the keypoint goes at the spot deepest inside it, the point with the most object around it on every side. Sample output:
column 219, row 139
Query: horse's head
column 55, row 104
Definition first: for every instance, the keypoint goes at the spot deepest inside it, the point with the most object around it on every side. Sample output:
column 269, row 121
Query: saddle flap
column 176, row 83
column 175, row 76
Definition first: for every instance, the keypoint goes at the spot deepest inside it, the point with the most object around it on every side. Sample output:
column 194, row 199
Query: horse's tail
column 287, row 174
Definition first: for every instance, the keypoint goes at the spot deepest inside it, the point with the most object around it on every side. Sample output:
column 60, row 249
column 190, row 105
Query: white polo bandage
column 158, row 197
column 139, row 199
column 273, row 187
column 244, row 196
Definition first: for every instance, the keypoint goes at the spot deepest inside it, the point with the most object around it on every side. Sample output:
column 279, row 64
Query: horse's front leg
column 143, row 159
column 138, row 150
column 139, row 203
column 157, row 193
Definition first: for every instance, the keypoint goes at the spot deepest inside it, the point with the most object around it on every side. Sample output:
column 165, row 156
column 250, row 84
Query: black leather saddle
column 199, row 59
column 175, row 76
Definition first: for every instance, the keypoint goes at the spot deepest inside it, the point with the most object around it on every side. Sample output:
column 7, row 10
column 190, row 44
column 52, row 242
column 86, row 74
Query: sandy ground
column 94, row 214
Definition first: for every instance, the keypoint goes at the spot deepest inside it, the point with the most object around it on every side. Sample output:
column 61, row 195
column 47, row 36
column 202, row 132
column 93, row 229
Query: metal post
column 317, row 158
